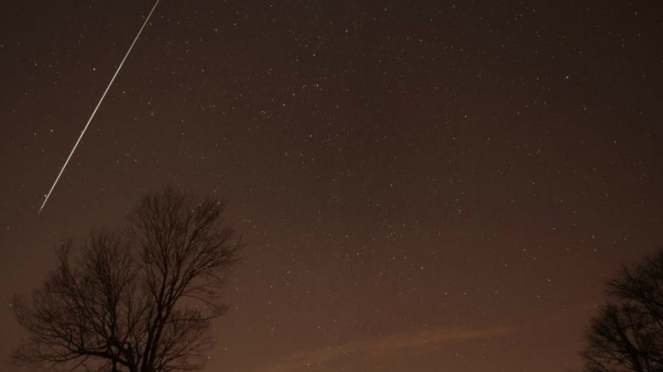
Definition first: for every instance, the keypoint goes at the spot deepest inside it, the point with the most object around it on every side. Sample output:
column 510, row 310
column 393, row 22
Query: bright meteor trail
column 96, row 108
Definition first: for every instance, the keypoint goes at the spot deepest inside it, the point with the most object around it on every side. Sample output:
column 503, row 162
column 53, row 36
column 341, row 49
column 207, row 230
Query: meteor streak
column 96, row 108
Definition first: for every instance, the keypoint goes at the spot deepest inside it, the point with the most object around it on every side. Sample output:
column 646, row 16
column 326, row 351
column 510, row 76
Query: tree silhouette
column 627, row 333
column 140, row 300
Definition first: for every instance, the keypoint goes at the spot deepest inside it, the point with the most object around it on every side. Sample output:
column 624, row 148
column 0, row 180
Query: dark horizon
column 430, row 186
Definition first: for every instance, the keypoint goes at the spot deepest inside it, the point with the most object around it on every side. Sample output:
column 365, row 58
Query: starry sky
column 422, row 185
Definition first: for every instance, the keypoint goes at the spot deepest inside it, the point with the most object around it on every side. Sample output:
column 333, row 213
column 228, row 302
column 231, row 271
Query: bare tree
column 139, row 301
column 627, row 333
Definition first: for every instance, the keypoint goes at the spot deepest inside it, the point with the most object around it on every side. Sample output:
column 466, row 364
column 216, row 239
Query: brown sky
column 423, row 185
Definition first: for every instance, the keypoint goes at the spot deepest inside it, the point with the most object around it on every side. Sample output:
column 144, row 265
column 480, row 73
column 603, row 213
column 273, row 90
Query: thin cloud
column 380, row 347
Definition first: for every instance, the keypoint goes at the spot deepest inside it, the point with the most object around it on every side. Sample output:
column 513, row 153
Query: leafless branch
column 140, row 300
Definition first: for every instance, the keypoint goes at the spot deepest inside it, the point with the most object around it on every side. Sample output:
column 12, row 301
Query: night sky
column 424, row 186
